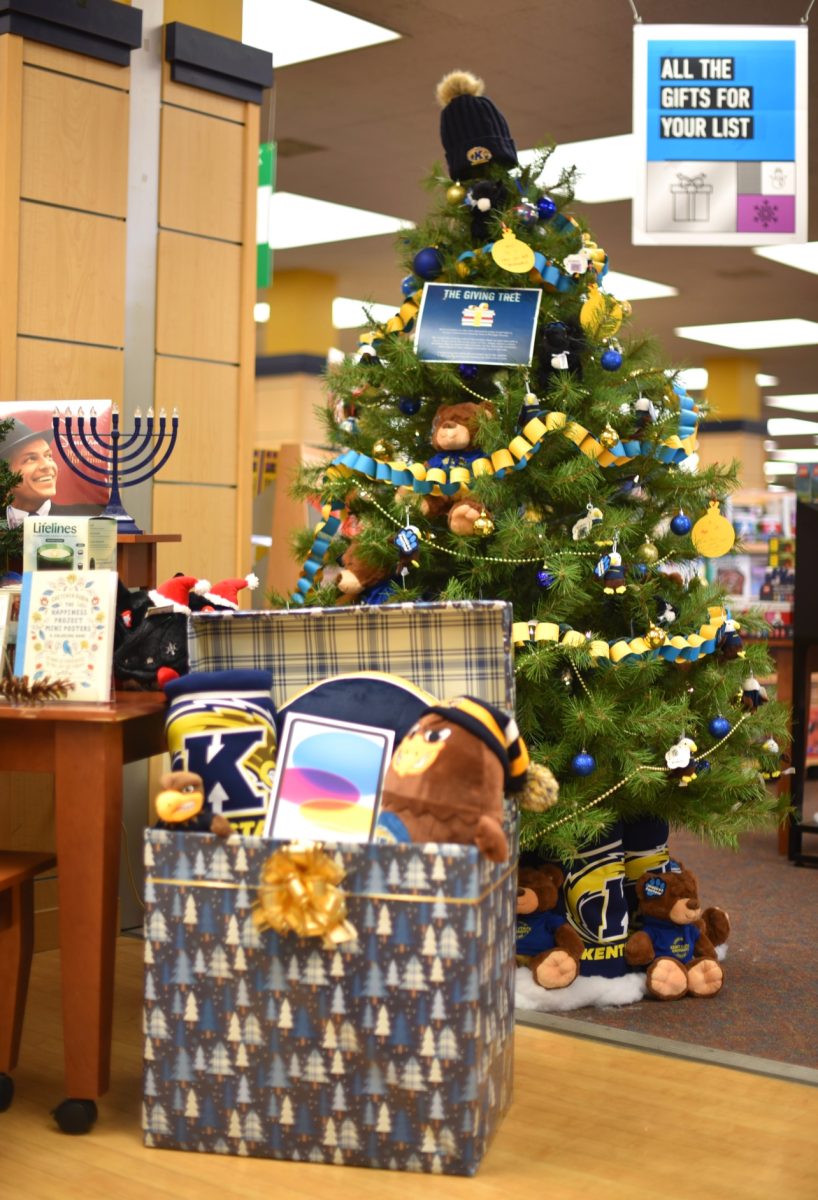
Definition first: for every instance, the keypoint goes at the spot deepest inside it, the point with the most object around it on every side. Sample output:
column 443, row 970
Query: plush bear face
column 671, row 896
column 356, row 575
column 455, row 426
column 538, row 888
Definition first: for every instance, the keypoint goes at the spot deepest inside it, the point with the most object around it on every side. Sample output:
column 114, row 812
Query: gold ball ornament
column 609, row 437
column 713, row 535
column 455, row 195
column 383, row 451
column 655, row 637
column 484, row 526
column 647, row 552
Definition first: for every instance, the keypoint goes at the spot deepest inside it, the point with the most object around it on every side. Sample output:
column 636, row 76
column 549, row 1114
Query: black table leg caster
column 75, row 1116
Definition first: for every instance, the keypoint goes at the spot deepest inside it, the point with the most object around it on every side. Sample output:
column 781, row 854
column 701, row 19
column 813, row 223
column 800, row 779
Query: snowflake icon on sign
column 766, row 213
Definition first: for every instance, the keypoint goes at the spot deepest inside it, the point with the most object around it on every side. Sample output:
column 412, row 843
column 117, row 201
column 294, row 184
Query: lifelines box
column 69, row 543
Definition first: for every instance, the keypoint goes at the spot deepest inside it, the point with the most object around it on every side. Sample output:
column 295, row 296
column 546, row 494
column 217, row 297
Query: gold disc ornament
column 713, row 535
column 513, row 255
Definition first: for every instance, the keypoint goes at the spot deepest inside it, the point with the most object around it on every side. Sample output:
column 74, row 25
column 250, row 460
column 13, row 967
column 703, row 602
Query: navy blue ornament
column 719, row 727
column 546, row 208
column 468, row 371
column 583, row 763
column 611, row 360
column 408, row 405
column 681, row 524
column 544, row 578
column 428, row 263
column 409, row 285
column 407, row 541
column 527, row 214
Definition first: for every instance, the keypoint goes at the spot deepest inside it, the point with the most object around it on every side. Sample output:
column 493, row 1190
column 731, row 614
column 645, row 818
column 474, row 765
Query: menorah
column 104, row 458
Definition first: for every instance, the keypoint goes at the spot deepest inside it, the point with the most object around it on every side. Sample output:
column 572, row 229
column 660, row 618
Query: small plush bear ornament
column 485, row 197
column 454, row 429
column 180, row 806
column 447, row 778
column 677, row 939
column 545, row 941
column 359, row 580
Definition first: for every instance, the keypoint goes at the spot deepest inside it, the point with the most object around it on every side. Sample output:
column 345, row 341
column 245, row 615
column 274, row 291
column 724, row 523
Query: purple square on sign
column 766, row 214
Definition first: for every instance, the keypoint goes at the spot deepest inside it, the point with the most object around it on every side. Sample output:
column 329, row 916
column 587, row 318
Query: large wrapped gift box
column 393, row 1049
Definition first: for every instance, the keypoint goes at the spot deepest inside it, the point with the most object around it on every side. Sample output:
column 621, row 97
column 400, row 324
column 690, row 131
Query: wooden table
column 136, row 557
column 84, row 746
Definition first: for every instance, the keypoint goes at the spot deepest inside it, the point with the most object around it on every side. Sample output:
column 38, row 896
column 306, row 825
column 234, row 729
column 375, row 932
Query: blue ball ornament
column 428, row 263
column 544, row 578
column 611, row 360
column 583, row 763
column 681, row 524
column 468, row 371
column 546, row 208
column 719, row 727
column 410, row 284
column 408, row 405
column 527, row 214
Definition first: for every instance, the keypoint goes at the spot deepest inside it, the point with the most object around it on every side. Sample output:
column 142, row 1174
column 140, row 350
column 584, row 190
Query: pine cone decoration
column 17, row 690
column 541, row 790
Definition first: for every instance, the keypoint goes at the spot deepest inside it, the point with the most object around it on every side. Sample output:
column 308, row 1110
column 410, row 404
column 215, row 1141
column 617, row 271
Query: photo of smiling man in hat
column 28, row 453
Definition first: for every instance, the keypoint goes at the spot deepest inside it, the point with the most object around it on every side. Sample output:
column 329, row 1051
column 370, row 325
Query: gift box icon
column 691, row 197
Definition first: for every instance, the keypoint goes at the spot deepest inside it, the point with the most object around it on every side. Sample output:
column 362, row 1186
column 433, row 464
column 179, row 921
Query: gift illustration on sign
column 477, row 315
column 691, row 198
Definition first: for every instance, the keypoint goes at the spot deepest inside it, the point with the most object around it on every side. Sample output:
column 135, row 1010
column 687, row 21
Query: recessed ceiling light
column 304, row 221
column 805, row 402
column 790, row 426
column 261, row 312
column 754, row 335
column 694, row 379
column 301, row 30
column 803, row 255
column 352, row 314
column 765, row 381
column 604, row 167
column 780, row 468
column 797, row 455
column 631, row 287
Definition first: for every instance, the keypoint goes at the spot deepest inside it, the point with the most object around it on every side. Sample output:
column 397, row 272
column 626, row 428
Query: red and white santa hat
column 226, row 593
column 176, row 592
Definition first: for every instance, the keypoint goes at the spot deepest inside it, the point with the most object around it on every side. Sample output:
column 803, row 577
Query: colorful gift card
column 328, row 780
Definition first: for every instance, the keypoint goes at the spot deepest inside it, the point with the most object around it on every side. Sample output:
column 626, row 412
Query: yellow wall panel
column 62, row 371
column 75, row 143
column 206, row 518
column 207, row 102
column 197, row 298
column 200, row 175
column 68, row 63
column 216, row 16
column 72, row 276
column 206, row 395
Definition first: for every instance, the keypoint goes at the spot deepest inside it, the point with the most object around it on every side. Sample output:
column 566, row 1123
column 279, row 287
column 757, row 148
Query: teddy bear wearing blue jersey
column 546, row 943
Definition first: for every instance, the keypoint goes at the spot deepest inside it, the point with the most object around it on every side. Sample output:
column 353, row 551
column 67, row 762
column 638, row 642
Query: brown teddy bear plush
column 454, row 429
column 677, row 939
column 180, row 806
column 357, row 579
column 447, row 778
column 545, row 941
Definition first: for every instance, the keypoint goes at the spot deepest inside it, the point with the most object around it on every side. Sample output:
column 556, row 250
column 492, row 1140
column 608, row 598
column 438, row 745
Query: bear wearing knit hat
column 447, row 778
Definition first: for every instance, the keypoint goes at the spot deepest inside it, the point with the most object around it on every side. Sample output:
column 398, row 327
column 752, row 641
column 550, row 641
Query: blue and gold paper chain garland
column 324, row 533
column 519, row 452
column 622, row 651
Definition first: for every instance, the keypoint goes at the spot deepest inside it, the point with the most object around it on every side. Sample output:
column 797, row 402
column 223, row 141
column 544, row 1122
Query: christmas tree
column 11, row 540
column 565, row 483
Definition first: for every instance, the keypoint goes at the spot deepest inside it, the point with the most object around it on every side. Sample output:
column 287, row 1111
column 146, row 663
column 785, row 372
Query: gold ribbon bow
column 299, row 892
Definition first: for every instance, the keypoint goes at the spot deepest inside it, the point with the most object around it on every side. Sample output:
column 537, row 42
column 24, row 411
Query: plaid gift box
column 461, row 648
column 390, row 1050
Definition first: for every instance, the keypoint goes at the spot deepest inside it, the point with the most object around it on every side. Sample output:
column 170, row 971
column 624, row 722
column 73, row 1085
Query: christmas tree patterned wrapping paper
column 391, row 1050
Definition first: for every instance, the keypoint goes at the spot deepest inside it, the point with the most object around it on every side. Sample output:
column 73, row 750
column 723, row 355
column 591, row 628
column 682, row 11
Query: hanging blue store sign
column 720, row 123
column 466, row 324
